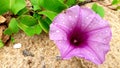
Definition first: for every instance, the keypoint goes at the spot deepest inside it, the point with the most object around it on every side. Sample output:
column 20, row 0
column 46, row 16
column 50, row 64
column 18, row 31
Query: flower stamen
column 75, row 41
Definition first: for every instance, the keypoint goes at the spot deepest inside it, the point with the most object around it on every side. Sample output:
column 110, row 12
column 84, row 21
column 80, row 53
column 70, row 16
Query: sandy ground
column 46, row 54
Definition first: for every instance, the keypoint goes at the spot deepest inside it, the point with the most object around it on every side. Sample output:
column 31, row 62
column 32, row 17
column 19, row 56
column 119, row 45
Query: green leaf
column 37, row 29
column 52, row 5
column 12, row 28
column 118, row 8
column 27, row 20
column 114, row 2
column 13, row 25
column 49, row 14
column 17, row 5
column 36, row 7
column 13, row 5
column 36, row 16
column 1, row 43
column 12, row 39
column 23, row 11
column 30, row 31
column 29, row 25
column 98, row 9
column 26, row 29
column 43, row 22
column 35, row 4
column 4, row 6
column 44, row 25
column 8, row 31
column 70, row 2
column 62, row 1
column 81, row 1
column 48, row 21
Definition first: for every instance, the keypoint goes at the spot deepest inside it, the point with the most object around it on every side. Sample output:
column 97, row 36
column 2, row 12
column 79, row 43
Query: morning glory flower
column 80, row 32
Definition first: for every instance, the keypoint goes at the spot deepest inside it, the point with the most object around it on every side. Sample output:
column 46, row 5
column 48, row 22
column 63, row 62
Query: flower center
column 78, row 38
column 76, row 41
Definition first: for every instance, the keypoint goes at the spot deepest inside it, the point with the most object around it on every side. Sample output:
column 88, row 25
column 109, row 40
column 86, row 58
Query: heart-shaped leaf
column 52, row 5
column 115, row 2
column 13, row 5
column 44, row 25
column 98, row 9
column 49, row 14
column 35, row 4
column 70, row 2
column 29, row 25
column 12, row 28
column 27, row 20
column 23, row 11
column 4, row 6
column 30, row 31
column 17, row 5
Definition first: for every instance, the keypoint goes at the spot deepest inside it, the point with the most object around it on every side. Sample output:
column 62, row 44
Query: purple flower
column 82, row 33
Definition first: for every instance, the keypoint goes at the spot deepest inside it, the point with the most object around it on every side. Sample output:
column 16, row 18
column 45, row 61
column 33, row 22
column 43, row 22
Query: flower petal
column 64, row 47
column 102, row 35
column 96, row 23
column 99, row 49
column 68, row 18
column 57, row 33
column 86, row 17
column 84, row 52
column 92, row 51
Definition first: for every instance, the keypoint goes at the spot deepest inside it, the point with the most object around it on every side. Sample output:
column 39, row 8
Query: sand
column 45, row 54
